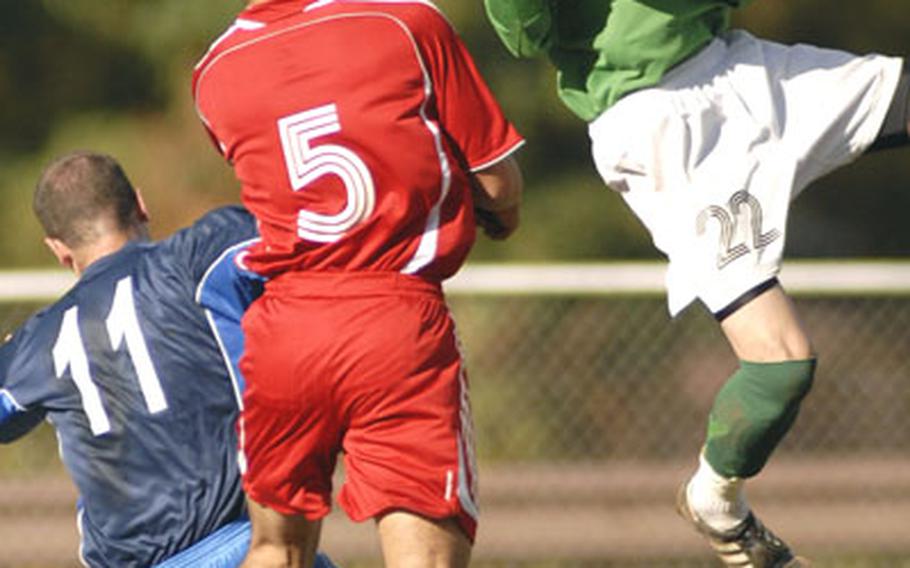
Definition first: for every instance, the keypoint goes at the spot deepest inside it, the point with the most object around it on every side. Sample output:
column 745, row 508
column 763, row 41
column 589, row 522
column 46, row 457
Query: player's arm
column 475, row 124
column 15, row 420
column 497, row 197
column 524, row 26
column 227, row 289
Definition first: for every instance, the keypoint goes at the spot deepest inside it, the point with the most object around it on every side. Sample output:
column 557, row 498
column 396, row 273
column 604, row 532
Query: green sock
column 752, row 412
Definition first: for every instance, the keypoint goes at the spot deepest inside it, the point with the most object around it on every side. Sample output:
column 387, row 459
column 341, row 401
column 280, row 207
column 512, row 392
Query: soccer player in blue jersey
column 137, row 378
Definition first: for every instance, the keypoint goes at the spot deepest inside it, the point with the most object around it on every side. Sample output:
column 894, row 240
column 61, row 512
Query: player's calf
column 752, row 412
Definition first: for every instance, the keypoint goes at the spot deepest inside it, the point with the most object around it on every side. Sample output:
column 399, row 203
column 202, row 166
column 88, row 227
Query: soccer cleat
column 747, row 545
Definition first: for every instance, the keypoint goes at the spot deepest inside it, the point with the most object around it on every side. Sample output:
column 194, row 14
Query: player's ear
column 143, row 210
column 60, row 249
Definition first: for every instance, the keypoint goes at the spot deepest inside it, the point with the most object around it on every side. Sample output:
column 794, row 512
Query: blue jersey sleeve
column 15, row 419
column 225, row 292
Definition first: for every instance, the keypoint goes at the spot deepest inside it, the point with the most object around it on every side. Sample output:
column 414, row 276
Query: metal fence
column 590, row 404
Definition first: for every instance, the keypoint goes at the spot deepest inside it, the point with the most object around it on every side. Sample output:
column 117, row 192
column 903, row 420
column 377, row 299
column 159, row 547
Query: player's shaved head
column 82, row 195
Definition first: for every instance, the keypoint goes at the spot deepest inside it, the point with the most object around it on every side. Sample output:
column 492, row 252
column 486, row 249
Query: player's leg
column 758, row 404
column 767, row 329
column 288, row 432
column 751, row 414
column 281, row 540
column 755, row 408
column 227, row 546
column 408, row 444
column 410, row 540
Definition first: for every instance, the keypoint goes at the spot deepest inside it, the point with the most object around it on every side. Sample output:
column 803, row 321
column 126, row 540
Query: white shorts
column 710, row 159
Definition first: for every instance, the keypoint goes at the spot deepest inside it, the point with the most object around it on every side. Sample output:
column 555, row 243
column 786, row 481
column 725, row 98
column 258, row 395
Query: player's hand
column 498, row 225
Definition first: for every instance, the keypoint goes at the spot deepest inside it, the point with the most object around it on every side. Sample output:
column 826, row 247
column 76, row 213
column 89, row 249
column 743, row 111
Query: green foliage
column 49, row 70
column 161, row 30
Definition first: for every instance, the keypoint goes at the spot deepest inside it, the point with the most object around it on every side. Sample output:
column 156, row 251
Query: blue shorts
column 224, row 548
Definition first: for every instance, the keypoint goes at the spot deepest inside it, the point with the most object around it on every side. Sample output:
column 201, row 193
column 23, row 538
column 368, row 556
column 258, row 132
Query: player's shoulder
column 36, row 324
column 30, row 341
column 419, row 16
column 221, row 223
column 235, row 33
column 413, row 13
column 197, row 245
column 222, row 218
column 415, row 6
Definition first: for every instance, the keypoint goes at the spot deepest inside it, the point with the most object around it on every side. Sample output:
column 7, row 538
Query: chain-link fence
column 589, row 411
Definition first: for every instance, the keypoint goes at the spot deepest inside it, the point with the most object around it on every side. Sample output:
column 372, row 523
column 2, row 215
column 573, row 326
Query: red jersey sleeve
column 465, row 105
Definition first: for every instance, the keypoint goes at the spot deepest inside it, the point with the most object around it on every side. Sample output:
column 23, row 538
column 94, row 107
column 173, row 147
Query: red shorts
column 367, row 364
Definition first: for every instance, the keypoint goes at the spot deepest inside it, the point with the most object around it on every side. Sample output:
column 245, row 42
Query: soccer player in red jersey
column 364, row 139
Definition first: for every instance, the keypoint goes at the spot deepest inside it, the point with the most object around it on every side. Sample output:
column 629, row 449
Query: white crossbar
column 800, row 277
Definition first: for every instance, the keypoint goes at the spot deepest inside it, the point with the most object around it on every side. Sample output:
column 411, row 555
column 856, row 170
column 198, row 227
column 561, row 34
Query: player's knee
column 776, row 391
column 790, row 347
column 799, row 375
column 785, row 346
column 767, row 329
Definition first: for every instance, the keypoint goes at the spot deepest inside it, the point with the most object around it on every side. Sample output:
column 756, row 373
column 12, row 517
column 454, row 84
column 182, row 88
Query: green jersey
column 605, row 49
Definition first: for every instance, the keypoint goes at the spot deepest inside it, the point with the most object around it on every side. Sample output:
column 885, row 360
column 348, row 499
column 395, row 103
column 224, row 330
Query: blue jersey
column 137, row 382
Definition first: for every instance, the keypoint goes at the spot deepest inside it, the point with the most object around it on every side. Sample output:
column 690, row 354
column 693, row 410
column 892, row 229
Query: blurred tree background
column 114, row 76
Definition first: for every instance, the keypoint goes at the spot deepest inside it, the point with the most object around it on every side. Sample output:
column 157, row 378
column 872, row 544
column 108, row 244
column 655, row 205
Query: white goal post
column 847, row 277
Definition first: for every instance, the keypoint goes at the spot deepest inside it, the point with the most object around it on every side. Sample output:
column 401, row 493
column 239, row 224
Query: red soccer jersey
column 352, row 127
